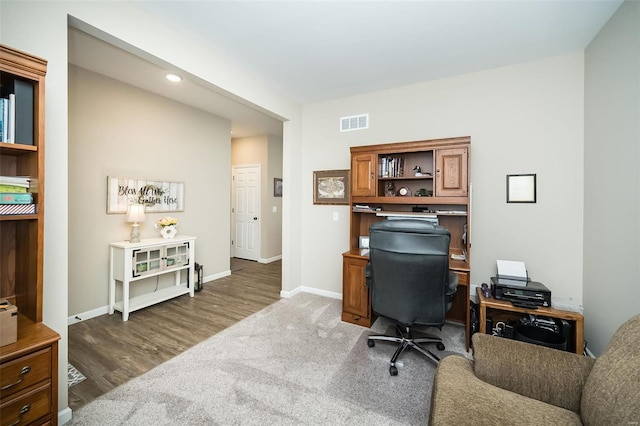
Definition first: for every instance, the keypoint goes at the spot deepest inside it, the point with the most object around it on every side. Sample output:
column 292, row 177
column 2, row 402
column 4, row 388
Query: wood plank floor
column 110, row 352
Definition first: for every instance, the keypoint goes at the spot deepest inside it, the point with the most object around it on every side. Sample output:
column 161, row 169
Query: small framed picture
column 521, row 188
column 331, row 187
column 277, row 187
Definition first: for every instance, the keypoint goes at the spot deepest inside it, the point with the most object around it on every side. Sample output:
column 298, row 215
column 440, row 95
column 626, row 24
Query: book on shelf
column 16, row 198
column 391, row 167
column 14, row 189
column 4, row 119
column 22, row 181
column 23, row 110
column 9, row 209
column 11, row 130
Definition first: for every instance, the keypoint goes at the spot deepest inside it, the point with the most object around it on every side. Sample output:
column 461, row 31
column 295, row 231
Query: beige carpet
column 292, row 363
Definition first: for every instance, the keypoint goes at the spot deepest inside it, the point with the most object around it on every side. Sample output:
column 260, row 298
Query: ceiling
column 319, row 50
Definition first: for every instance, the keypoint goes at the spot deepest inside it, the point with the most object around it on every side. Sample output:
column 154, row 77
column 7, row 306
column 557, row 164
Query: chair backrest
column 409, row 261
column 611, row 394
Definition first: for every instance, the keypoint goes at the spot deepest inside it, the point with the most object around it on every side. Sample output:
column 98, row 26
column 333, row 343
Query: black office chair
column 408, row 274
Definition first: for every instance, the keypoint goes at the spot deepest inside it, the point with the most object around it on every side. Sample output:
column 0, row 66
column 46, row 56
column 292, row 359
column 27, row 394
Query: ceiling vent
column 355, row 122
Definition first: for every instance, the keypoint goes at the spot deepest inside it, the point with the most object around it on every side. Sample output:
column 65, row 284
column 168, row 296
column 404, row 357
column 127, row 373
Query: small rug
column 74, row 376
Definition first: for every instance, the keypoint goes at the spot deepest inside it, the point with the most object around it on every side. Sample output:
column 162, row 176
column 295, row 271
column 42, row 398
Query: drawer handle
column 24, row 410
column 24, row 371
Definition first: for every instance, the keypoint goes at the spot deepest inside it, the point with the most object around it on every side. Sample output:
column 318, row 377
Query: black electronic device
column 521, row 291
column 524, row 304
column 485, row 290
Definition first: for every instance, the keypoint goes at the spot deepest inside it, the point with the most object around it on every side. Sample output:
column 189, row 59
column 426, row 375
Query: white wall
column 121, row 131
column 522, row 119
column 612, row 177
column 272, row 237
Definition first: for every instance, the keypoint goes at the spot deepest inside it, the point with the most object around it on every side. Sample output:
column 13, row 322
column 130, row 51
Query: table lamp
column 135, row 215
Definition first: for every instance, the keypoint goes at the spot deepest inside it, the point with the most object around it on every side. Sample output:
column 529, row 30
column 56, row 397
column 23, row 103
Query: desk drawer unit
column 27, row 407
column 26, row 389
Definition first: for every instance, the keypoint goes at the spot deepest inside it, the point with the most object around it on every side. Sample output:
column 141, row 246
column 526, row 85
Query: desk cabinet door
column 177, row 255
column 355, row 297
column 363, row 175
column 452, row 172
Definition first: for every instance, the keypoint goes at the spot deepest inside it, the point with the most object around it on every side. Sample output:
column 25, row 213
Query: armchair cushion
column 459, row 397
column 548, row 375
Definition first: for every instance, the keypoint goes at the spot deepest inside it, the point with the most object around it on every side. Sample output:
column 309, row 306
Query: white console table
column 131, row 262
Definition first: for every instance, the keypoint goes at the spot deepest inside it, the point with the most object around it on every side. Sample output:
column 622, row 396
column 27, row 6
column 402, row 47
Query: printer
column 512, row 283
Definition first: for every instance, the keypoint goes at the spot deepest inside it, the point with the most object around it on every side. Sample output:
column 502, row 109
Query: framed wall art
column 277, row 187
column 331, row 187
column 521, row 188
column 157, row 196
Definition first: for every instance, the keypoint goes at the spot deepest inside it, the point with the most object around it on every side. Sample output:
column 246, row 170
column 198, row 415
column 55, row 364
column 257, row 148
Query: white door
column 245, row 212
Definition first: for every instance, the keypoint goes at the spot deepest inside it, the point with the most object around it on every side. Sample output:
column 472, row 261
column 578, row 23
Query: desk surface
column 454, row 265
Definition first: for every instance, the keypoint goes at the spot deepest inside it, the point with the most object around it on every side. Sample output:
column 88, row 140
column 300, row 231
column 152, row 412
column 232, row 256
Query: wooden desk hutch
column 384, row 182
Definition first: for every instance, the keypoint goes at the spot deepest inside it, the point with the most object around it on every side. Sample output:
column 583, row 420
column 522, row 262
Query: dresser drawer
column 28, row 407
column 20, row 373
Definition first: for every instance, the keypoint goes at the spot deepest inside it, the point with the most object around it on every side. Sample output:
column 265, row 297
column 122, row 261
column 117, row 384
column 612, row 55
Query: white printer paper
column 512, row 269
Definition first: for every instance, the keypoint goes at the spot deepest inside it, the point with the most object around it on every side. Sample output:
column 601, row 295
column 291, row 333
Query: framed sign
column 331, row 187
column 521, row 188
column 157, row 196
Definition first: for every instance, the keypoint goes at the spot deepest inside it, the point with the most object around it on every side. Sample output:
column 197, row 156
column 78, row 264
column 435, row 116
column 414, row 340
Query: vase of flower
column 167, row 227
column 168, row 231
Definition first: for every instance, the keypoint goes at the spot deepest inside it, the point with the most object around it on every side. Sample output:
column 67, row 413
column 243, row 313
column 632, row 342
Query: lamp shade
column 136, row 213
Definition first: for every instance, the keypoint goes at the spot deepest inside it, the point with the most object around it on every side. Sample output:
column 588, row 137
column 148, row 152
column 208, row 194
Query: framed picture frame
column 521, row 188
column 331, row 187
column 277, row 187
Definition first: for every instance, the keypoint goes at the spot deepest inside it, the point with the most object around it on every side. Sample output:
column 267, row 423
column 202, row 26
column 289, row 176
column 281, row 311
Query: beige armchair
column 516, row 383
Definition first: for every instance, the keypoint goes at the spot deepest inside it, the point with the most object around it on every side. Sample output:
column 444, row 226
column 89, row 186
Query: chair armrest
column 549, row 375
column 460, row 398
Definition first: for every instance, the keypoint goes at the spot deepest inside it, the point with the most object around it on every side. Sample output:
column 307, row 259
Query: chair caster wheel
column 393, row 370
column 440, row 346
column 371, row 343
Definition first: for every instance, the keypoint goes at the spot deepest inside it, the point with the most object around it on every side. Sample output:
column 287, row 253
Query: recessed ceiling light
column 174, row 77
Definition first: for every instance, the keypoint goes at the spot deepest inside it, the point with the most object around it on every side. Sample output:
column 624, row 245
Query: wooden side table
column 506, row 307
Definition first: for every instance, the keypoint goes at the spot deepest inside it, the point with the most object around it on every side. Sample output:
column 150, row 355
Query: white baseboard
column 589, row 353
column 270, row 259
column 64, row 416
column 217, row 276
column 83, row 316
column 311, row 290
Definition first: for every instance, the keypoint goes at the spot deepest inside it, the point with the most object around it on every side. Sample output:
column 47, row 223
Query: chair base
column 404, row 338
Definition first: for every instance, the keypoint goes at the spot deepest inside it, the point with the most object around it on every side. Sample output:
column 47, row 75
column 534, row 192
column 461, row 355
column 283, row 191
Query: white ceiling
column 319, row 50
